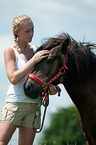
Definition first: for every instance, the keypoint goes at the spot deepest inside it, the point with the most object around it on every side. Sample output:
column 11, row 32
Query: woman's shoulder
column 9, row 51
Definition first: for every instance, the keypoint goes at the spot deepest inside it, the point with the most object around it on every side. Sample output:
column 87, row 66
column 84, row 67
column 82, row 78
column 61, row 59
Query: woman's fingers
column 40, row 55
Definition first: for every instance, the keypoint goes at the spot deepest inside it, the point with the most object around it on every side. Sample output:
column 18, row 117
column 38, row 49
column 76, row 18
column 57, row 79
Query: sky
column 50, row 17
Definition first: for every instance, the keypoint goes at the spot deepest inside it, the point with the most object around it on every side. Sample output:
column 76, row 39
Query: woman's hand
column 40, row 55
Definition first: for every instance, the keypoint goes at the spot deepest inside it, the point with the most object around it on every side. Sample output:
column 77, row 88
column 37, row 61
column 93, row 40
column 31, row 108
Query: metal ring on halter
column 62, row 70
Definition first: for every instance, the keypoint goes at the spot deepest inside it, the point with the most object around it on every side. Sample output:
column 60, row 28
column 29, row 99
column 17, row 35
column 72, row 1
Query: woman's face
column 26, row 31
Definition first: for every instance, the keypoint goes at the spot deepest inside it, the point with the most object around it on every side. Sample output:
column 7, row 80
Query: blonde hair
column 17, row 23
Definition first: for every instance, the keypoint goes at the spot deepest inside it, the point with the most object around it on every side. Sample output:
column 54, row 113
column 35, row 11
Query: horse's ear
column 64, row 45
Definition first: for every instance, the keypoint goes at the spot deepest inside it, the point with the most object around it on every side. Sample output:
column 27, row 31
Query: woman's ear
column 64, row 46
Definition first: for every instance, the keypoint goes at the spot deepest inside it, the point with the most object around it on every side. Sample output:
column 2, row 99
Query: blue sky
column 50, row 17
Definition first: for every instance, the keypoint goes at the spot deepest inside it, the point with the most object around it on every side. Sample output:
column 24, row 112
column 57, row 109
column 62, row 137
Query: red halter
column 45, row 85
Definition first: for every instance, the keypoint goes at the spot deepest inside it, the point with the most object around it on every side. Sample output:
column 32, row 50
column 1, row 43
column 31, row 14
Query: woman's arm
column 14, row 75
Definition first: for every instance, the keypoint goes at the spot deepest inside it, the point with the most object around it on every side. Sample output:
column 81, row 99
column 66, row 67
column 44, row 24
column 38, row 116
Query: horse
column 76, row 65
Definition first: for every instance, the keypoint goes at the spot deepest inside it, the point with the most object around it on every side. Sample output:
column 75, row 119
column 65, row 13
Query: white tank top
column 16, row 93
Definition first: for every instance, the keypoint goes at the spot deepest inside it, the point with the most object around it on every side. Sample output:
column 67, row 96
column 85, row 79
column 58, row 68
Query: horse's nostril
column 31, row 91
column 28, row 88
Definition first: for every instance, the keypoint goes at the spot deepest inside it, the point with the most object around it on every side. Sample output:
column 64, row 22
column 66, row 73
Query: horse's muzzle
column 30, row 92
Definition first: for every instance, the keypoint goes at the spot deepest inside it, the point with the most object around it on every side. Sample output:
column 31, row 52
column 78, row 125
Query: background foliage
column 64, row 128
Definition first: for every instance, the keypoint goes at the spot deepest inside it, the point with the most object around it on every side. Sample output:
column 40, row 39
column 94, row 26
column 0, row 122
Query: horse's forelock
column 51, row 42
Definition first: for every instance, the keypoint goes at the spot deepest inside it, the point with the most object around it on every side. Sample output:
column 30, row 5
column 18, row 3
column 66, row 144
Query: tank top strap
column 19, row 55
column 34, row 48
column 16, row 52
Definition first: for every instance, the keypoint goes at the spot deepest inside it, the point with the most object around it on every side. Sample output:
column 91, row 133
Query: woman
column 19, row 109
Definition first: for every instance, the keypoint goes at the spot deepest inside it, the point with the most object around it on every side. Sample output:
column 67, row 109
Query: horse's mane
column 51, row 42
column 80, row 56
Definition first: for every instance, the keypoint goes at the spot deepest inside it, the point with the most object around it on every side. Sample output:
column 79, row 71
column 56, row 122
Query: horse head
column 47, row 69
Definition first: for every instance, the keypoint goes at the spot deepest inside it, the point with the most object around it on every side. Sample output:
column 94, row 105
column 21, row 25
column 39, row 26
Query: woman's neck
column 22, row 47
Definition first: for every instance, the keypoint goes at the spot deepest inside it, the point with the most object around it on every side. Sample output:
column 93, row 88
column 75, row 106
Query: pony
column 78, row 76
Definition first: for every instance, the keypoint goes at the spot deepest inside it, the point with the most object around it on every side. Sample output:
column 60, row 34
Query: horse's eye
column 50, row 60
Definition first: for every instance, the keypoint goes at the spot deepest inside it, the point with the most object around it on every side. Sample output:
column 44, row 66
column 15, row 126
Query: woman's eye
column 26, row 31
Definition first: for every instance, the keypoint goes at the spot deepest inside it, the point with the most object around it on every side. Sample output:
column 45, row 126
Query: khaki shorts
column 20, row 114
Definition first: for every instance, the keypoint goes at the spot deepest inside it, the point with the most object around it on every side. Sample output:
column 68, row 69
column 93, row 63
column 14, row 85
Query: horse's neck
column 82, row 95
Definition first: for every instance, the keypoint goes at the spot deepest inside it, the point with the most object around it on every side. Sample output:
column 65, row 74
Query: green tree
column 64, row 128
